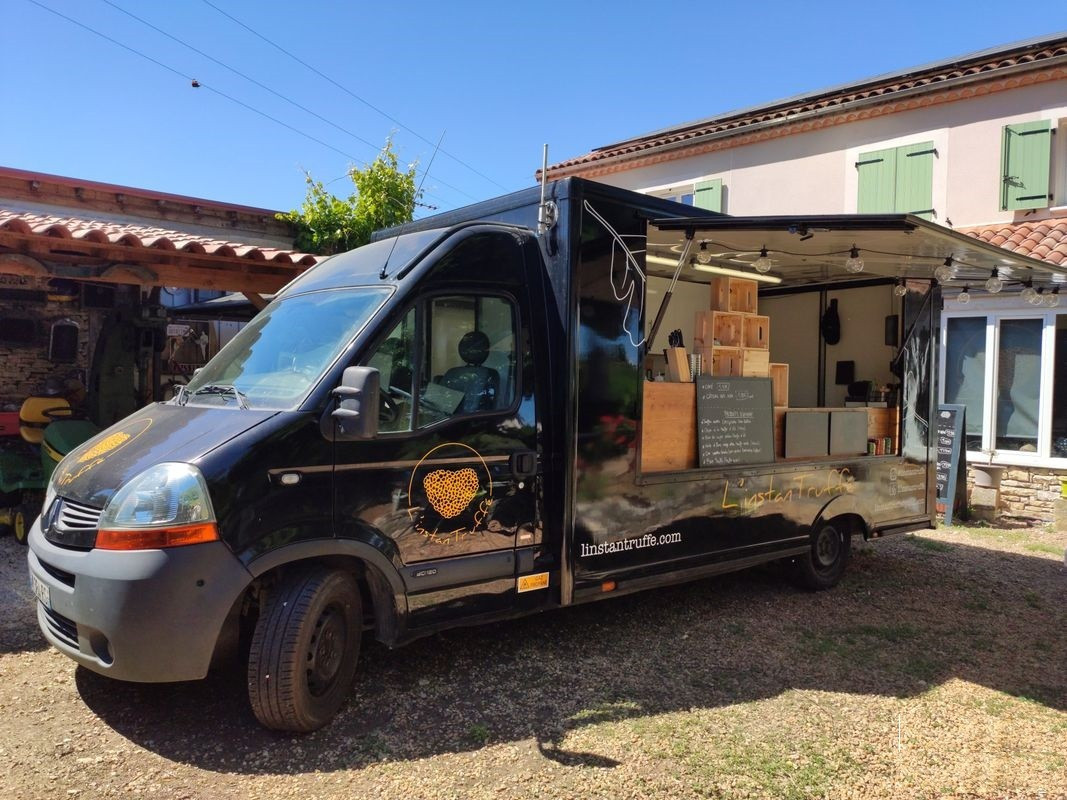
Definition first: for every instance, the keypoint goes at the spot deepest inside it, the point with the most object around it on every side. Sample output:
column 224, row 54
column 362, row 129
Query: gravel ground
column 937, row 668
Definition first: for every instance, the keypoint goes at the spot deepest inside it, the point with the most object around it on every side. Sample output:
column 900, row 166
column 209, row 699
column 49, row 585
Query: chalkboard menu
column 950, row 435
column 735, row 421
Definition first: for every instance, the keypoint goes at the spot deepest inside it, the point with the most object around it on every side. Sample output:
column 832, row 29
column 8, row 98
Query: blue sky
column 495, row 79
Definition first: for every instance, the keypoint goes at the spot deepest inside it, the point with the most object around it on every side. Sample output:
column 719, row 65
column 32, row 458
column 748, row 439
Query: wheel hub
column 827, row 547
column 326, row 650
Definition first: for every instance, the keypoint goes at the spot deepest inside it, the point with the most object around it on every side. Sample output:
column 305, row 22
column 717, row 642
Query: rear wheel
column 304, row 650
column 824, row 564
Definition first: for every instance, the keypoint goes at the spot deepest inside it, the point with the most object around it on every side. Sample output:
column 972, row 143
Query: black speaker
column 892, row 330
column 846, row 373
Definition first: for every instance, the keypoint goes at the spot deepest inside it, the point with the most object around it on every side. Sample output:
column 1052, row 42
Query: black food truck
column 478, row 416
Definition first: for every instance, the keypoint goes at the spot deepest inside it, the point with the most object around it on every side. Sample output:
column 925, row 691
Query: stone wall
column 1027, row 492
column 23, row 367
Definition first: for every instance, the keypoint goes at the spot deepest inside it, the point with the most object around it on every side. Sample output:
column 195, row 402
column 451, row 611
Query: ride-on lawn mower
column 49, row 427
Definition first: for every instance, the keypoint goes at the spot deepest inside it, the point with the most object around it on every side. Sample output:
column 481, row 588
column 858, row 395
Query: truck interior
column 816, row 304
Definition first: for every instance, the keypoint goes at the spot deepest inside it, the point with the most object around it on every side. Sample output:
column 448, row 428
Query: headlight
column 166, row 506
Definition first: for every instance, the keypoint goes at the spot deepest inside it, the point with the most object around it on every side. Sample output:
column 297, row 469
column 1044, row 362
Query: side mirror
column 356, row 415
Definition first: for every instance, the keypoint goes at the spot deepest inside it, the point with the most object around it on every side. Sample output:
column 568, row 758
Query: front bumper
column 142, row 615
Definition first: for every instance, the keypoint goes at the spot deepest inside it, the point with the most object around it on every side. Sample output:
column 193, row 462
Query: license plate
column 40, row 590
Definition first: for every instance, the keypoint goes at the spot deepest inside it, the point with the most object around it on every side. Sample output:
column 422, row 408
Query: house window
column 1025, row 152
column 898, row 180
column 702, row 194
column 1003, row 367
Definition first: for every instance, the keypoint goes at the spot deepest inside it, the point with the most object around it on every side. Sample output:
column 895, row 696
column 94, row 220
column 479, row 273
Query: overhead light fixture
column 854, row 263
column 945, row 272
column 964, row 297
column 703, row 256
column 900, row 289
column 1053, row 298
column 1029, row 293
column 763, row 263
column 737, row 273
column 1039, row 297
column 734, row 273
column 994, row 284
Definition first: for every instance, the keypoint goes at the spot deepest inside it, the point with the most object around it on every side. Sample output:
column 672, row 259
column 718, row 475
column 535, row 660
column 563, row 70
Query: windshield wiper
column 223, row 389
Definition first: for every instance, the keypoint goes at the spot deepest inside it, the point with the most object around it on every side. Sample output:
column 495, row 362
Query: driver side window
column 458, row 357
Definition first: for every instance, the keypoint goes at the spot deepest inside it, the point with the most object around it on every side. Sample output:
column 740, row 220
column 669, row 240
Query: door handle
column 524, row 464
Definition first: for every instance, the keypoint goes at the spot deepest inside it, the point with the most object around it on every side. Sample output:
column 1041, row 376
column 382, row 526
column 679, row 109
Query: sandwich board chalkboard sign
column 735, row 421
column 951, row 469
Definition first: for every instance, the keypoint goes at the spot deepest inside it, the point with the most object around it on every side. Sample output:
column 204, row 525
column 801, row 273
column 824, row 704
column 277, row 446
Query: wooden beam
column 257, row 300
column 171, row 267
column 18, row 264
column 141, row 275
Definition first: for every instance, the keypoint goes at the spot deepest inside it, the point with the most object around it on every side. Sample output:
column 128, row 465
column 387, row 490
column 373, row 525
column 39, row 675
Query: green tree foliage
column 384, row 196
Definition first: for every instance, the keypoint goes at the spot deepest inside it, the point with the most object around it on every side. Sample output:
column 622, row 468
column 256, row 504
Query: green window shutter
column 1024, row 161
column 915, row 180
column 877, row 182
column 708, row 195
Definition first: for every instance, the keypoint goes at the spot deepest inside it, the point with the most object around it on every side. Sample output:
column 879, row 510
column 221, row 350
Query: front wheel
column 304, row 650
column 824, row 564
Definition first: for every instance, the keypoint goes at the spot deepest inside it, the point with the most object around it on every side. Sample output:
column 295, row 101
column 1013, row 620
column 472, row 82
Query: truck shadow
column 910, row 615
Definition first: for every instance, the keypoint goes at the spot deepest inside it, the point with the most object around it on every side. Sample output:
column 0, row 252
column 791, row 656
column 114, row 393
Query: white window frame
column 677, row 190
column 994, row 310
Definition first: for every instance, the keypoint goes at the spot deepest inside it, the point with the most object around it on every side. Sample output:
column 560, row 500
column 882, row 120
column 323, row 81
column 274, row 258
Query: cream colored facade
column 814, row 172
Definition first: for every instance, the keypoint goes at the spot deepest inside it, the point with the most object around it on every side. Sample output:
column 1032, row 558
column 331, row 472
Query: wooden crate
column 757, row 331
column 779, row 431
column 755, row 363
column 719, row 329
column 668, row 427
column 722, row 360
column 779, row 374
column 734, row 294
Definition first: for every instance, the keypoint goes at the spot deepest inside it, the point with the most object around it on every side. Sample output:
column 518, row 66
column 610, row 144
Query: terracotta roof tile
column 1043, row 239
column 132, row 235
column 882, row 87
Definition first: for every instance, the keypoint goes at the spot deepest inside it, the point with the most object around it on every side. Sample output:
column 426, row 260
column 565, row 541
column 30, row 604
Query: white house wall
column 814, row 173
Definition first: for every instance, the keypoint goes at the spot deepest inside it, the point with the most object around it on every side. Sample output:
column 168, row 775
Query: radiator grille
column 71, row 524
column 63, row 628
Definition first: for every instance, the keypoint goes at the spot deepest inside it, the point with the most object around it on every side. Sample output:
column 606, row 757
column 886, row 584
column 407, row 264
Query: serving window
column 826, row 354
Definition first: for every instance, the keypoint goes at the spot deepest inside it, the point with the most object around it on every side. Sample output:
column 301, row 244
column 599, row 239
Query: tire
column 21, row 521
column 824, row 564
column 304, row 650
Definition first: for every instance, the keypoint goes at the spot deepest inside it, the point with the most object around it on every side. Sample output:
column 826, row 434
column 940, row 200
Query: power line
column 266, row 88
column 349, row 92
column 202, row 85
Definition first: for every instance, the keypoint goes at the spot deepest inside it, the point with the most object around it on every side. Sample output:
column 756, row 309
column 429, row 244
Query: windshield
column 273, row 362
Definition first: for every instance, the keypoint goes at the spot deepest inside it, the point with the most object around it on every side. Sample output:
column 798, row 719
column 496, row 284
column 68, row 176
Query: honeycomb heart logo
column 451, row 491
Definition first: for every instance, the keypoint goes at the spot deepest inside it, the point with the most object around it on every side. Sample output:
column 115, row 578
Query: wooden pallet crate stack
column 734, row 339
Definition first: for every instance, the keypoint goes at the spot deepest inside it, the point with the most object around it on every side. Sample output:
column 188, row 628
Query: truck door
column 450, row 480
